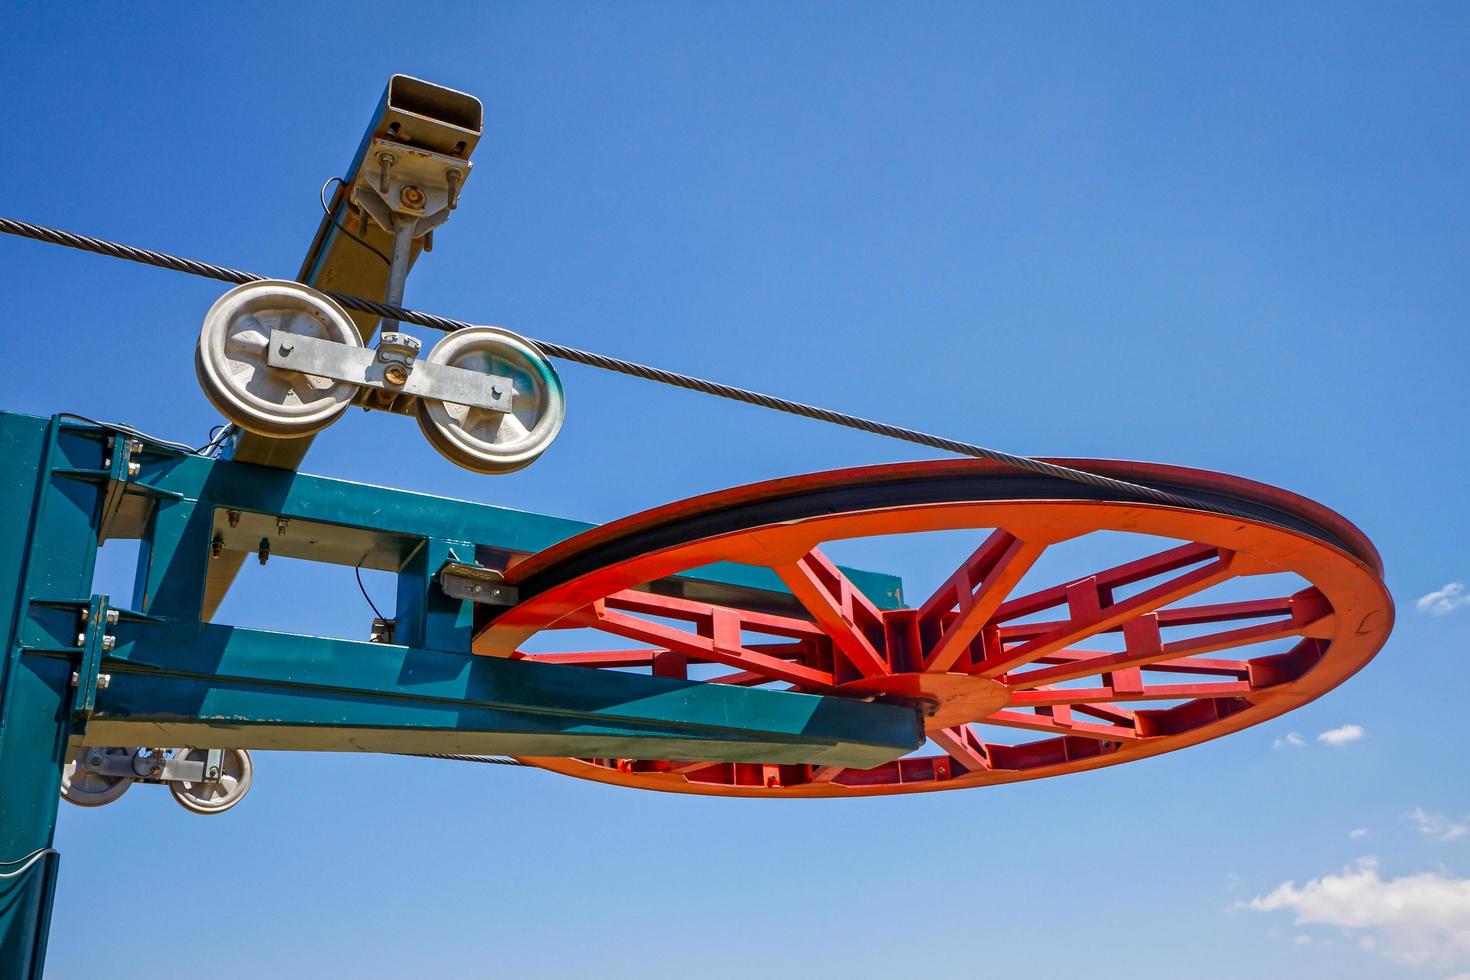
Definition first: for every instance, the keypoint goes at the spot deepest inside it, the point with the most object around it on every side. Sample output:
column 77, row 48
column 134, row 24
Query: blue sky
column 1228, row 236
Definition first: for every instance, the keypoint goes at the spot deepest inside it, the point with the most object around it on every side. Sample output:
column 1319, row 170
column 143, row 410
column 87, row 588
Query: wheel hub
column 946, row 699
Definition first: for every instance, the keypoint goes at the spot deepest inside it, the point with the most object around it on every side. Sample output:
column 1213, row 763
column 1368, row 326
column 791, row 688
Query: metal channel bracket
column 362, row 366
column 475, row 583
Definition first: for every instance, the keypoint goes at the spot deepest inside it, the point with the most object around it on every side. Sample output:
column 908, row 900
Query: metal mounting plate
column 360, row 366
column 476, row 584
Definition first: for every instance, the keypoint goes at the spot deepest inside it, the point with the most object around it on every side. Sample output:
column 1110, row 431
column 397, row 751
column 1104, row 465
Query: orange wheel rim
column 1017, row 680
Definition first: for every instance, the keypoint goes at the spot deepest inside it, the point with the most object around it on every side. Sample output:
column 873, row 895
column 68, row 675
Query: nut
column 412, row 197
column 395, row 374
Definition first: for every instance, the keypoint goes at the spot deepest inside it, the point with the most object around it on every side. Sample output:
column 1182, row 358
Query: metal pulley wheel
column 484, row 440
column 215, row 796
column 232, row 359
column 86, row 787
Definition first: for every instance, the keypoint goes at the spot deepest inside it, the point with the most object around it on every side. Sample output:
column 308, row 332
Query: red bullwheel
column 1222, row 621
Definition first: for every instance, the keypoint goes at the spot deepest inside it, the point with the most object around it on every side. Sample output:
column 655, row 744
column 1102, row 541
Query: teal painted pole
column 38, row 505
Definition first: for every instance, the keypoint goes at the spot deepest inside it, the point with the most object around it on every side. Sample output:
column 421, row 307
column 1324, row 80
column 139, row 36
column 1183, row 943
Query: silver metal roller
column 232, row 359
column 485, row 440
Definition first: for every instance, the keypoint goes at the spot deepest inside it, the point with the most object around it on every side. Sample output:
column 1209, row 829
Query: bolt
column 216, row 547
column 385, row 160
column 214, row 772
column 104, row 680
column 281, row 524
column 412, row 197
column 112, row 617
column 479, row 589
column 395, row 374
column 134, row 469
column 362, row 220
column 496, row 391
column 234, row 517
column 429, row 240
column 452, row 176
column 263, row 551
column 81, row 639
column 286, row 348
column 108, row 641
column 95, row 760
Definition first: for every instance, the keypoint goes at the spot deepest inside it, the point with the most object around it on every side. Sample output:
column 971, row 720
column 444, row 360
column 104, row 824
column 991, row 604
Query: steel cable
column 489, row 760
column 162, row 260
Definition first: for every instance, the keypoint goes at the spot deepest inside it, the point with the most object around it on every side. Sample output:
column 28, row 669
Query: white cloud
column 1444, row 600
column 1303, row 940
column 1357, row 833
column 1342, row 735
column 1292, row 739
column 1419, row 920
column 1436, row 826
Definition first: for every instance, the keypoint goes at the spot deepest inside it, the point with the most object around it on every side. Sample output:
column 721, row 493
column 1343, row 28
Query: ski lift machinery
column 759, row 668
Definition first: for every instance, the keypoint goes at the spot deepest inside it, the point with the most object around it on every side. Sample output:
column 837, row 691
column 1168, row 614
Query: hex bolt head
column 108, row 641
column 134, row 469
column 95, row 760
column 81, row 639
column 233, row 516
column 112, row 617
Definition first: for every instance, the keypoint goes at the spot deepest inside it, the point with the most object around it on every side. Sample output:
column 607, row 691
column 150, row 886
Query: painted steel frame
column 171, row 679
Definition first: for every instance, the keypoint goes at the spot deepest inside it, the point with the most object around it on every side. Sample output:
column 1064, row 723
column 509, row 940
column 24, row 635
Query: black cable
column 56, row 236
column 357, row 570
column 128, row 430
column 490, row 760
column 343, row 228
column 214, row 434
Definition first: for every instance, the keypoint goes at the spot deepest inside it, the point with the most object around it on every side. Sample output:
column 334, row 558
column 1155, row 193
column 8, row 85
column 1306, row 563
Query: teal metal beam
column 210, row 686
column 172, row 679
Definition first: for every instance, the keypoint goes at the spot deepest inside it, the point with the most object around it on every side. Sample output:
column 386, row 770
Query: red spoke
column 1090, row 615
column 1309, row 611
column 743, row 678
column 722, row 647
column 647, row 656
column 596, row 658
column 1109, row 713
column 962, row 746
column 1120, row 575
column 1060, row 722
column 702, row 613
column 978, row 587
column 1078, row 696
column 839, row 608
column 1225, row 668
